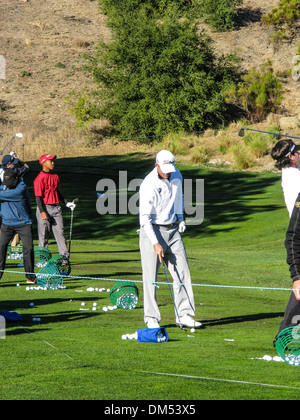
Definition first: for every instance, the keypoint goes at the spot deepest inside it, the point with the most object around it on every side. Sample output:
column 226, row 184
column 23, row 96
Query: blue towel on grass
column 152, row 335
column 11, row 316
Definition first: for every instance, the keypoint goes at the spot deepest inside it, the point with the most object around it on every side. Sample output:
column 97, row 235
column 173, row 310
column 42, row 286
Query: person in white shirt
column 161, row 223
column 286, row 155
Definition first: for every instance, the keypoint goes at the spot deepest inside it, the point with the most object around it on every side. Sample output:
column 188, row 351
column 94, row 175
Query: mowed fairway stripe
column 220, row 380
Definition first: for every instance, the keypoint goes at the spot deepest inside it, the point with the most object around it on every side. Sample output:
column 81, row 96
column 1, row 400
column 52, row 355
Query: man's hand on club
column 158, row 249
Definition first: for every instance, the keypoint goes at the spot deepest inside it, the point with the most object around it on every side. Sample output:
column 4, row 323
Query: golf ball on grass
column 104, row 309
column 192, row 330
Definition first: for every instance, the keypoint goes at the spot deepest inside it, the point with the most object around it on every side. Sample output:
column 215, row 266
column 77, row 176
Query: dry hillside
column 43, row 43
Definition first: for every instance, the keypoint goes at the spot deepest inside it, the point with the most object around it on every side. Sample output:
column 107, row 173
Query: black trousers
column 292, row 245
column 25, row 232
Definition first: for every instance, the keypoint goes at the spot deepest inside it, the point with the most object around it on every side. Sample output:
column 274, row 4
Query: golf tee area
column 66, row 347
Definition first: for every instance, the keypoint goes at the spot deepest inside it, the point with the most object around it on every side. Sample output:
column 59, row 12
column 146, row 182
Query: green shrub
column 256, row 144
column 82, row 107
column 200, row 154
column 220, row 14
column 284, row 19
column 177, row 144
column 241, row 157
column 259, row 93
column 158, row 76
column 225, row 143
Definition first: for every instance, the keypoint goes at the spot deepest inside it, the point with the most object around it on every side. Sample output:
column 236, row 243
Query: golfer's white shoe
column 152, row 323
column 188, row 321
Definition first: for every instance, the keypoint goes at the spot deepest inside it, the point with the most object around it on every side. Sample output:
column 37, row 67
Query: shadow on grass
column 240, row 319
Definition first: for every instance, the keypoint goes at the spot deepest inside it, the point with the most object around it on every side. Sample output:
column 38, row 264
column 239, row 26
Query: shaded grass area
column 79, row 354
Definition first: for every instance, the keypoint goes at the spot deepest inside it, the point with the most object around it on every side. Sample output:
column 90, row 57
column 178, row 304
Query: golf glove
column 71, row 205
column 181, row 227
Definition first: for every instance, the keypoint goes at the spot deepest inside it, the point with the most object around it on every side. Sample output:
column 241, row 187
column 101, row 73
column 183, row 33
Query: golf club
column 242, row 133
column 19, row 135
column 71, row 223
column 169, row 284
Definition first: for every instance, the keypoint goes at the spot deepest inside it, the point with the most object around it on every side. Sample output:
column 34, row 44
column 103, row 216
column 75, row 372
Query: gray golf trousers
column 177, row 263
column 55, row 221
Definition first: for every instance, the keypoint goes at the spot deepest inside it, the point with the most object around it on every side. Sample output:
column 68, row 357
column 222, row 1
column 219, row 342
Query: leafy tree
column 157, row 75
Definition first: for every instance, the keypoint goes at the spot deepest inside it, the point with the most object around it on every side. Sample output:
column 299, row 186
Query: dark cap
column 9, row 159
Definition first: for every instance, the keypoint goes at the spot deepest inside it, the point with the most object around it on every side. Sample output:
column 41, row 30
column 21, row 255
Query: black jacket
column 292, row 242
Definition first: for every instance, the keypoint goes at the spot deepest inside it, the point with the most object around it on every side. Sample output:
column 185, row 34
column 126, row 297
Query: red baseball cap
column 43, row 158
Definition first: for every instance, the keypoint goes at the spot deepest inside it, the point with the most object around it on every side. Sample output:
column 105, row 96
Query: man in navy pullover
column 17, row 217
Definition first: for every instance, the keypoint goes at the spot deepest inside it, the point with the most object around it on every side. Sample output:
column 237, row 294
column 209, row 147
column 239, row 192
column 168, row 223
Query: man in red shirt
column 49, row 212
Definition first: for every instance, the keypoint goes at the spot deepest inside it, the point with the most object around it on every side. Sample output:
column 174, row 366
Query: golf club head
column 19, row 135
column 242, row 132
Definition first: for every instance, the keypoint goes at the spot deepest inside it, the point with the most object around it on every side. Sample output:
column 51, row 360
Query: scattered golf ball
column 104, row 309
column 18, row 285
column 192, row 330
column 124, row 337
column 94, row 308
column 82, row 304
column 95, row 304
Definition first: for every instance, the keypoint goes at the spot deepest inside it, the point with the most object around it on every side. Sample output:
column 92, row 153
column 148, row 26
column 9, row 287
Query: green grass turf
column 75, row 354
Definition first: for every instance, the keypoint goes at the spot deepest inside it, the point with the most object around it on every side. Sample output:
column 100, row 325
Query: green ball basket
column 49, row 277
column 125, row 295
column 288, row 345
column 41, row 256
column 15, row 252
column 62, row 264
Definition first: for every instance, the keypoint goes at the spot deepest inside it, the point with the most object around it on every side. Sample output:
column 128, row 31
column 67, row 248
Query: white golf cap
column 166, row 161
